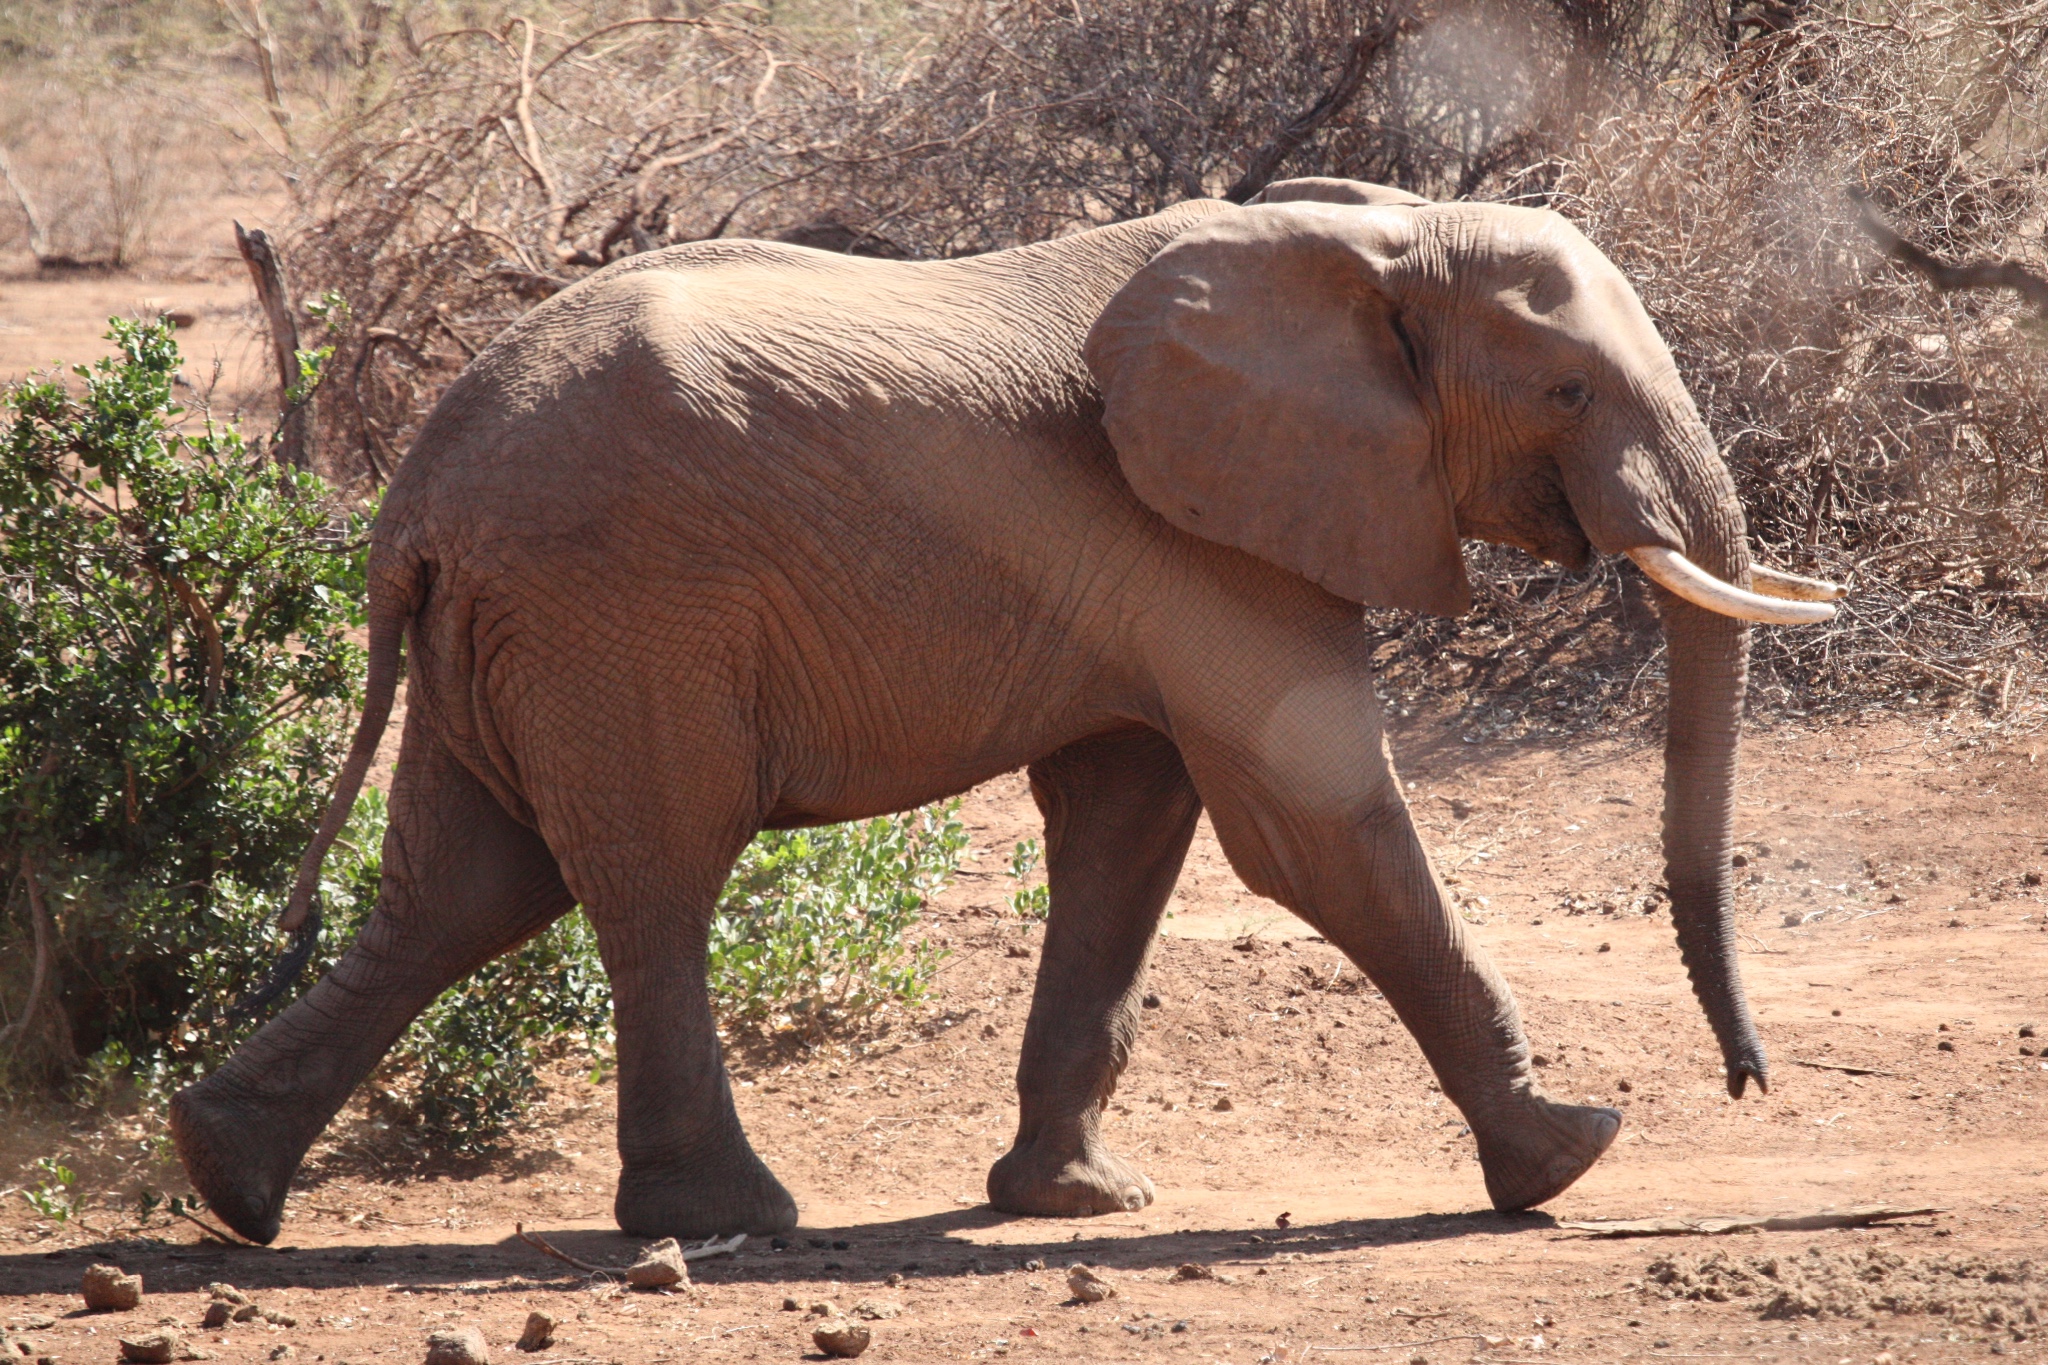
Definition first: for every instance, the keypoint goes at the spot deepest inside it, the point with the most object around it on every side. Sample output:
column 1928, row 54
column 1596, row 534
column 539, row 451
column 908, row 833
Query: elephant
column 741, row 535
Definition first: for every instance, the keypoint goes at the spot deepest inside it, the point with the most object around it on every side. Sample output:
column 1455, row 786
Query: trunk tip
column 1742, row 1072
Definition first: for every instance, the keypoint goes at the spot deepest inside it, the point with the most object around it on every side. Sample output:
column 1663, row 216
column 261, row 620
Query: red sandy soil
column 1911, row 849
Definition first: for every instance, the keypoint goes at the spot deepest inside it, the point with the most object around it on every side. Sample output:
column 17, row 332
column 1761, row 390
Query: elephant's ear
column 1261, row 392
column 1327, row 189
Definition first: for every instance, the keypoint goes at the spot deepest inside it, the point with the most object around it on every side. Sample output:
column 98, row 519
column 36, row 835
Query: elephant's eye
column 1571, row 396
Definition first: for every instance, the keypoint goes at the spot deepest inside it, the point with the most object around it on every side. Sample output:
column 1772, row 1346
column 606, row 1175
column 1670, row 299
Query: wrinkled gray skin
column 737, row 536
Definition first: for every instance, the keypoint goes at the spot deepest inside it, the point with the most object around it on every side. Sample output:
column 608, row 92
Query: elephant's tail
column 390, row 609
column 387, row 629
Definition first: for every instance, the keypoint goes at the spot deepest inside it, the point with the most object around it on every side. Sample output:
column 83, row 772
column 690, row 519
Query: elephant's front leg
column 1308, row 810
column 1119, row 814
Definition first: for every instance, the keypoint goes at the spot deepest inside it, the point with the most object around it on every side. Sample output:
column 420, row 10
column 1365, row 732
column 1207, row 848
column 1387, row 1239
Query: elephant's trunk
column 1709, row 669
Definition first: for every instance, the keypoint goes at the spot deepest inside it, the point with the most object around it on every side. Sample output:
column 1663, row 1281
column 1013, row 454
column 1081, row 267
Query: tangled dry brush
column 1880, row 431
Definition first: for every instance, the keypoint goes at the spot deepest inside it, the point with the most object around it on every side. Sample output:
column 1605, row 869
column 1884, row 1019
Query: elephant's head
column 1348, row 382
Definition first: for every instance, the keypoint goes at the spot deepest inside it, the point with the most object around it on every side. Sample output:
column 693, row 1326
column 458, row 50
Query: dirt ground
column 1895, row 946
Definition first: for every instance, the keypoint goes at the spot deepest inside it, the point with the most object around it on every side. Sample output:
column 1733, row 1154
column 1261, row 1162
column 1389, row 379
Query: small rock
column 875, row 1310
column 1624, row 1087
column 457, row 1346
column 824, row 1308
column 894, row 1280
column 107, row 1288
column 1944, row 1046
column 37, row 1322
column 1192, row 1271
column 283, row 1352
column 790, row 1305
column 539, row 1333
column 838, row 1337
column 248, row 1312
column 1087, row 1286
column 227, row 1293
column 2026, row 1030
column 659, row 1266
column 1607, row 947
column 1151, row 1001
column 217, row 1314
column 151, row 1348
column 277, row 1319
column 1223, row 1104
column 13, row 1348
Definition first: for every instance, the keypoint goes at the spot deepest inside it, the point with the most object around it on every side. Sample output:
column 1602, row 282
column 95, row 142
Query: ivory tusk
column 1688, row 580
column 1792, row 587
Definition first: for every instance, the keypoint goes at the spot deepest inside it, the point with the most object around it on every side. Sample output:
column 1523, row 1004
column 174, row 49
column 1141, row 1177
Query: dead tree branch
column 1943, row 277
column 293, row 445
column 1265, row 163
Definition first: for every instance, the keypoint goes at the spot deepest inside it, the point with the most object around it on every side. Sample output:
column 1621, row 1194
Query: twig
column 224, row 1238
column 1946, row 278
column 704, row 1251
column 1845, row 1070
column 540, row 1244
column 1406, row 1345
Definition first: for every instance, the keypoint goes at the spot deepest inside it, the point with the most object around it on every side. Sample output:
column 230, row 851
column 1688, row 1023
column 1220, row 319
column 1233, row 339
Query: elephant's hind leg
column 1119, row 815
column 463, row 883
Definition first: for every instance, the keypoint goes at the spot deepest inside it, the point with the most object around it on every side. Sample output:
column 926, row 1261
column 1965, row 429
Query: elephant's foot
column 1055, row 1181
column 239, row 1155
column 1541, row 1148
column 704, row 1199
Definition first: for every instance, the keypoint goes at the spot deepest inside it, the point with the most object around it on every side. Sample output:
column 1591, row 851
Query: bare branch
column 1265, row 163
column 1945, row 278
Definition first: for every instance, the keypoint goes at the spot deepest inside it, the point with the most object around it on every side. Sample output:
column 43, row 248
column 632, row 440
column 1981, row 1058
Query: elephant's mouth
column 1530, row 512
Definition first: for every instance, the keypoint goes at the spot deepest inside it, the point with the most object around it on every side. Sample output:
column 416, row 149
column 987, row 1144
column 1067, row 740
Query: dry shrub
column 501, row 163
column 1877, row 431
column 92, row 161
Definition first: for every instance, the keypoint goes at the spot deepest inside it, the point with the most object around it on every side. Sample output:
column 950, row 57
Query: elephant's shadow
column 928, row 1246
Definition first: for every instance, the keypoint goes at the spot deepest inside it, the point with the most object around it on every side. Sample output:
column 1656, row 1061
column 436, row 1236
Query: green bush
column 811, row 927
column 178, row 675
column 176, row 678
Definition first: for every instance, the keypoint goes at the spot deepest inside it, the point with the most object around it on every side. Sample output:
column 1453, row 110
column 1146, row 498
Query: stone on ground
column 109, row 1289
column 838, row 1337
column 457, row 1346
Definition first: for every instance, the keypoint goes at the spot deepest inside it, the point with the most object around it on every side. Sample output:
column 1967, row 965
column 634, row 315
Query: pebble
column 108, row 1288
column 790, row 1305
column 217, row 1314
column 1087, row 1286
column 457, row 1346
column 660, row 1265
column 824, row 1308
column 282, row 1352
column 838, row 1337
column 875, row 1310
column 227, row 1293
column 539, row 1333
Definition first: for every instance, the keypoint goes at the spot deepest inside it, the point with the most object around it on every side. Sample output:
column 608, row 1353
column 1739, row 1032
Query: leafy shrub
column 1027, row 901
column 176, row 675
column 812, row 923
